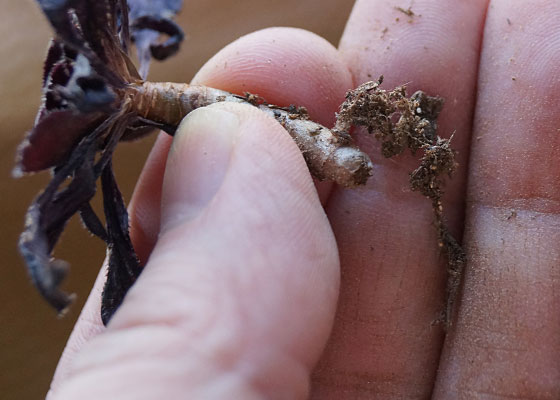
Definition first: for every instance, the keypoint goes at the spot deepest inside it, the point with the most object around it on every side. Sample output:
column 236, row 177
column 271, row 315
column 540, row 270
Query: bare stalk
column 329, row 155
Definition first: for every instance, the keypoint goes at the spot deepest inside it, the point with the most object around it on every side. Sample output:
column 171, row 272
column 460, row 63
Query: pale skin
column 257, row 287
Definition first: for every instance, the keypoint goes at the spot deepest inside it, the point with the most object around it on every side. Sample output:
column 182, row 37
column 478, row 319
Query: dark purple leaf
column 124, row 266
column 90, row 28
column 47, row 217
column 123, row 22
column 51, row 210
column 92, row 222
column 83, row 116
column 57, row 72
column 148, row 20
column 54, row 54
column 53, row 138
column 74, row 85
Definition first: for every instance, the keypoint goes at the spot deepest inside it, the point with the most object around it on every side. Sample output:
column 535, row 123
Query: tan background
column 31, row 337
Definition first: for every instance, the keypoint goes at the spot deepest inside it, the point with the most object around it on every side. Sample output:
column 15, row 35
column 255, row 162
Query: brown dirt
column 399, row 123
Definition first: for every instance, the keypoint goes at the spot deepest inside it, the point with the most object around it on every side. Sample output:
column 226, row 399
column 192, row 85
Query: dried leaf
column 124, row 266
column 148, row 20
column 90, row 28
column 46, row 219
column 54, row 53
column 50, row 142
column 83, row 116
column 92, row 222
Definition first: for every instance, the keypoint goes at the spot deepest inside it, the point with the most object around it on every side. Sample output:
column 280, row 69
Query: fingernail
column 197, row 163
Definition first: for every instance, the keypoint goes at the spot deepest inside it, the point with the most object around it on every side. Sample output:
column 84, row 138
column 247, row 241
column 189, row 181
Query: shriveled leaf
column 86, row 91
column 54, row 55
column 53, row 138
column 72, row 84
column 58, row 14
column 57, row 71
column 124, row 266
column 123, row 22
column 92, row 222
column 101, row 29
column 84, row 114
column 149, row 19
column 47, row 217
column 87, row 27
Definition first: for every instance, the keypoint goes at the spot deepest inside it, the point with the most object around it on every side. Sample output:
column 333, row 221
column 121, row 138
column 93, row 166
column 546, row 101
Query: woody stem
column 329, row 155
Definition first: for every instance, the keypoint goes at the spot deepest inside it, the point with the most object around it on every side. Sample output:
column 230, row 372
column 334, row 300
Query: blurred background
column 31, row 336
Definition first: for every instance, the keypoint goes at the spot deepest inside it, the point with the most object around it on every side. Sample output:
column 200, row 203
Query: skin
column 244, row 294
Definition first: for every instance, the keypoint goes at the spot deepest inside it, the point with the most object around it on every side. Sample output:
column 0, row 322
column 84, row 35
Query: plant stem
column 329, row 155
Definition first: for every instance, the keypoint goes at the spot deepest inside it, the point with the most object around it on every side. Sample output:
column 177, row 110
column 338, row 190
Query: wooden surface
column 31, row 337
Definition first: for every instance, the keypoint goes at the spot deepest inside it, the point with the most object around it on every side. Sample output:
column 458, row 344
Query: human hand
column 239, row 294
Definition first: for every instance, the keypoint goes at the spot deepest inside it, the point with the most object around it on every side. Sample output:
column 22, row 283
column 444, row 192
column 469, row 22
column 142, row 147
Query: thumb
column 238, row 296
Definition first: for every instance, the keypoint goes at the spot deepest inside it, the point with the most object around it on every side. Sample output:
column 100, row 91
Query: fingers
column 285, row 66
column 331, row 80
column 506, row 343
column 238, row 295
column 384, row 343
column 145, row 206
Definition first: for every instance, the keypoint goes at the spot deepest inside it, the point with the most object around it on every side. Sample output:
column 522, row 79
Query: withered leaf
column 83, row 115
column 90, row 28
column 149, row 19
column 124, row 266
column 53, row 138
column 47, row 217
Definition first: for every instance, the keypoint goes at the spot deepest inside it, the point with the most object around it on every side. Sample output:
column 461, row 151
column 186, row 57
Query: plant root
column 400, row 123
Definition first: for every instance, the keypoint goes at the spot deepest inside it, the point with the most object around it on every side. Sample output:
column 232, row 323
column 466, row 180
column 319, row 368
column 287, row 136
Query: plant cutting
column 95, row 97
